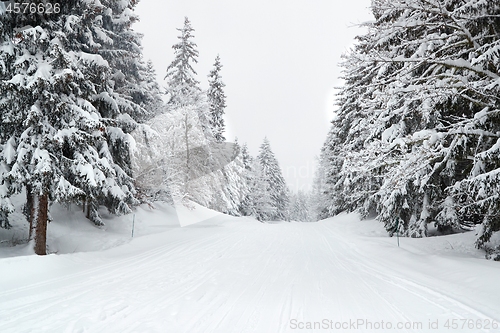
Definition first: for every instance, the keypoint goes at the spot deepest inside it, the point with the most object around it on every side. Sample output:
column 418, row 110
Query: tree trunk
column 42, row 214
column 186, row 137
column 91, row 211
column 86, row 208
column 30, row 210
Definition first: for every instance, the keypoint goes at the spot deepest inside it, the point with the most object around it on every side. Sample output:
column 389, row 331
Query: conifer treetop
column 217, row 100
column 180, row 73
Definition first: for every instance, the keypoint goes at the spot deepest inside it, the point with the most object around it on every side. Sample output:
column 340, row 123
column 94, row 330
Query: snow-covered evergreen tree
column 152, row 101
column 62, row 114
column 122, row 50
column 320, row 196
column 261, row 204
column 7, row 154
column 182, row 86
column 328, row 185
column 216, row 101
column 272, row 175
column 418, row 116
column 248, row 177
column 299, row 207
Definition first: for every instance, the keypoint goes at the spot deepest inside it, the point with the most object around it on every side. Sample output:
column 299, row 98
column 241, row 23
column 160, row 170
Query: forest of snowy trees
column 415, row 141
column 185, row 152
column 73, row 87
column 83, row 122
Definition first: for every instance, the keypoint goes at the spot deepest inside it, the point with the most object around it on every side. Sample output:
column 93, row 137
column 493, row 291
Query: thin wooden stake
column 397, row 231
column 133, row 226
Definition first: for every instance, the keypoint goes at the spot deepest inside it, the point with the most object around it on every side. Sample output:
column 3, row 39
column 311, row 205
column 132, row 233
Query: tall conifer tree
column 182, row 86
column 276, row 186
column 216, row 101
column 62, row 115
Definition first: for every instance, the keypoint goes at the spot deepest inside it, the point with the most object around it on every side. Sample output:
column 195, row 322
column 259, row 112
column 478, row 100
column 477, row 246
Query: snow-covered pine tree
column 10, row 125
column 236, row 149
column 216, row 101
column 248, row 177
column 234, row 181
column 133, row 86
column 260, row 202
column 348, row 187
column 318, row 196
column 152, row 102
column 328, row 186
column 272, row 175
column 247, row 158
column 133, row 80
column 6, row 155
column 299, row 207
column 256, row 200
column 477, row 197
column 58, row 105
column 417, row 115
column 182, row 86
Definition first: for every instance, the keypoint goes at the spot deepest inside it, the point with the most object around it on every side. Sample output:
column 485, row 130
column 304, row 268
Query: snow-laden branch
column 451, row 63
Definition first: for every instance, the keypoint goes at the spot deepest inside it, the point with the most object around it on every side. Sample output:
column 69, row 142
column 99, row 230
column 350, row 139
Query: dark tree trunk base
column 42, row 215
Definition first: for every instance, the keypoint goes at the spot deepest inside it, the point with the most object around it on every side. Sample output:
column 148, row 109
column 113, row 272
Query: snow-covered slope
column 227, row 274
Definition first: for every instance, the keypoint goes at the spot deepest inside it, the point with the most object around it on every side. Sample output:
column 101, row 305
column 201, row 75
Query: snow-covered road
column 237, row 275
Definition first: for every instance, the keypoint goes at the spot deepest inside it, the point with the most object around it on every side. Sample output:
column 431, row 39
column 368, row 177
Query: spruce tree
column 216, row 101
column 276, row 186
column 299, row 207
column 261, row 203
column 62, row 114
column 182, row 86
column 248, row 177
column 151, row 101
column 328, row 187
column 133, row 79
column 319, row 196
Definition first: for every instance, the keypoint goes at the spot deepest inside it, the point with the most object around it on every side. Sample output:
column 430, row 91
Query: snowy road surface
column 237, row 275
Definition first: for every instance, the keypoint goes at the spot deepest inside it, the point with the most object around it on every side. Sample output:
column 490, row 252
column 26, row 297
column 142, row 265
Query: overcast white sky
column 280, row 61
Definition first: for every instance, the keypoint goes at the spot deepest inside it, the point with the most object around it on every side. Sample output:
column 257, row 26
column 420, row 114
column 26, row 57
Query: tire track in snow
column 33, row 305
column 427, row 294
column 349, row 267
column 247, row 301
column 184, row 288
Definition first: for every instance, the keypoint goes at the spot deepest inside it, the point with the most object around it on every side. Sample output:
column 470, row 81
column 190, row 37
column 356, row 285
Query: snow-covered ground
column 227, row 274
